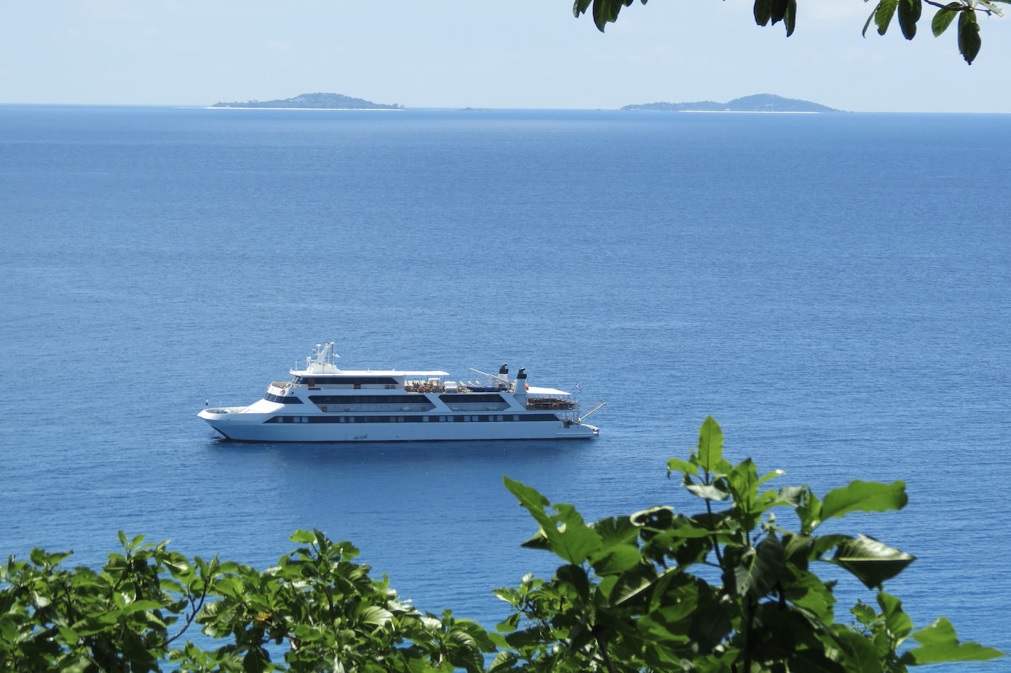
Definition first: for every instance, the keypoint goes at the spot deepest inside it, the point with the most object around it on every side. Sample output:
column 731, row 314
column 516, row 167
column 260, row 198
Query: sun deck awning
column 551, row 392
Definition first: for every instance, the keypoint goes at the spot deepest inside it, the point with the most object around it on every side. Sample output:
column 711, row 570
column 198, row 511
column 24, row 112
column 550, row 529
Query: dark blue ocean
column 834, row 289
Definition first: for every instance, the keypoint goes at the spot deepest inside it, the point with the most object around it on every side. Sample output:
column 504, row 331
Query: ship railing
column 413, row 387
column 551, row 403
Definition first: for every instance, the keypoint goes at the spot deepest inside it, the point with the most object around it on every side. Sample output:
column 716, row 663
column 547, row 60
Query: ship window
column 271, row 397
column 370, row 399
column 347, row 380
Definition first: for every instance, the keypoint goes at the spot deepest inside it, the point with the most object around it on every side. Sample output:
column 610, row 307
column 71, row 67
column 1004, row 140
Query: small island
column 312, row 101
column 758, row 103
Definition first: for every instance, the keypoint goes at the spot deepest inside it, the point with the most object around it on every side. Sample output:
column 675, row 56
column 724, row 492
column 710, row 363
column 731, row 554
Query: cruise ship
column 323, row 403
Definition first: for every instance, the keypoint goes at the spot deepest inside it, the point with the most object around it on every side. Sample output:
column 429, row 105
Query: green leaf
column 862, row 656
column 871, row 561
column 617, row 530
column 867, row 23
column 939, row 644
column 969, row 40
column 810, row 596
column 808, row 509
column 761, row 569
column 772, row 475
column 564, row 532
column 940, row 632
column 616, row 559
column 657, row 518
column 944, row 16
column 778, row 10
column 710, row 448
column 575, row 577
column 571, row 538
column 255, row 661
column 712, row 620
column 303, row 537
column 936, row 654
column 763, row 12
column 883, row 14
column 909, row 14
column 637, row 585
column 707, row 492
column 39, row 556
column 528, row 496
column 377, row 616
column 504, row 662
column 604, row 11
column 140, row 606
column 898, row 622
column 864, row 496
column 743, row 482
column 579, row 7
column 682, row 466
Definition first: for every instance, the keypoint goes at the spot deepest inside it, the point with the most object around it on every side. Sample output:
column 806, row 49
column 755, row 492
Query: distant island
column 314, row 101
column 758, row 103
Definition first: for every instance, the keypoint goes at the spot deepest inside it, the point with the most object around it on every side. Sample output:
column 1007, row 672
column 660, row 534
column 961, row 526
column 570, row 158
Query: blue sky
column 457, row 53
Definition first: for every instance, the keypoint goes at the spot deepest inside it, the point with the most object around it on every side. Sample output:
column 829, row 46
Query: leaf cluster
column 771, row 12
column 724, row 588
column 124, row 617
column 317, row 610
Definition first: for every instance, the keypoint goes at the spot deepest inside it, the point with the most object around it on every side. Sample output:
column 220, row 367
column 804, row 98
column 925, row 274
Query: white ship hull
column 251, row 427
column 323, row 403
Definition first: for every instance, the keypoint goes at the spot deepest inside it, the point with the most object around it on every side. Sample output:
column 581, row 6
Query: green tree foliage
column 908, row 11
column 317, row 610
column 727, row 588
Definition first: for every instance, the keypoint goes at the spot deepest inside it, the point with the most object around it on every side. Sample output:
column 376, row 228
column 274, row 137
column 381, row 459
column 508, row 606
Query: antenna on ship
column 501, row 377
column 590, row 412
column 331, row 356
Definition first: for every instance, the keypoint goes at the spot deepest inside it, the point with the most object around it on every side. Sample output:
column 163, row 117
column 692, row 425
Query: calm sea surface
column 834, row 289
